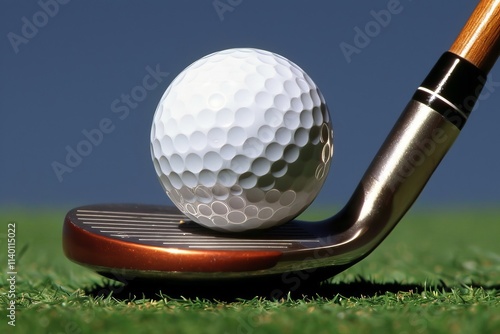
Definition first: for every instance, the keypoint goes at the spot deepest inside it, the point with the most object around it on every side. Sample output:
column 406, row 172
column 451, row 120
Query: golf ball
column 242, row 140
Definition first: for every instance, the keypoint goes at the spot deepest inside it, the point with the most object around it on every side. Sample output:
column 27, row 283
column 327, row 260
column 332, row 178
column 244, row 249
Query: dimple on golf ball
column 242, row 140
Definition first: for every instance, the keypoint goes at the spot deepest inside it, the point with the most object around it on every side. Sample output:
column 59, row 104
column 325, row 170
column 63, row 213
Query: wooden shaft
column 479, row 40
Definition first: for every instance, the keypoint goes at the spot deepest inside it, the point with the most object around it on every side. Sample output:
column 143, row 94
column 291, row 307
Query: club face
column 145, row 241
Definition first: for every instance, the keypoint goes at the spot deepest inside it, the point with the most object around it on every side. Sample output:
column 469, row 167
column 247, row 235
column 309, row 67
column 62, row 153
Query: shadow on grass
column 231, row 291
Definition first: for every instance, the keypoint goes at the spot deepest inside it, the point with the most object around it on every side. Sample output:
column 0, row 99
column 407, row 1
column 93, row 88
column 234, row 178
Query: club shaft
column 479, row 41
column 424, row 132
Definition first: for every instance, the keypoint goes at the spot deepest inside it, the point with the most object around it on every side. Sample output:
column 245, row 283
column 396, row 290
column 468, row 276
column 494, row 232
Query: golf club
column 159, row 242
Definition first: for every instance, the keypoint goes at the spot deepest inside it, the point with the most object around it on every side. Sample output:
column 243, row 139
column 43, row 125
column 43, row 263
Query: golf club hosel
column 415, row 146
column 406, row 160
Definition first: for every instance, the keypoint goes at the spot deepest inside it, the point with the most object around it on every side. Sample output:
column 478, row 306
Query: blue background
column 64, row 78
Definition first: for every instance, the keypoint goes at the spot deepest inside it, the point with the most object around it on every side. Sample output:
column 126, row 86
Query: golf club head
column 159, row 242
column 156, row 242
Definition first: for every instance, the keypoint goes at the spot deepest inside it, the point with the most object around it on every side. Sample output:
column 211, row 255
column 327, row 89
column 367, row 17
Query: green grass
column 437, row 272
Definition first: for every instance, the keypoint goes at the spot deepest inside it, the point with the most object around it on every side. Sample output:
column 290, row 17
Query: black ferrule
column 452, row 88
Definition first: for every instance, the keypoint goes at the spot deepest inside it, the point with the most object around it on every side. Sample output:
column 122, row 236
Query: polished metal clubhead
column 155, row 242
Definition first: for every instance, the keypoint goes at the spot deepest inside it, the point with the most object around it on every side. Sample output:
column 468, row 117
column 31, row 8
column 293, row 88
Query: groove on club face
column 175, row 230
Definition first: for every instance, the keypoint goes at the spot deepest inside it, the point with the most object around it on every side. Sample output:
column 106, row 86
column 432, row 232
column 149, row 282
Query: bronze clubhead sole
column 147, row 242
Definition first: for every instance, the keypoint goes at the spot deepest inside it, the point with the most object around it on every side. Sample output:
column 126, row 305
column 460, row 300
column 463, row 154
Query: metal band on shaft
column 452, row 88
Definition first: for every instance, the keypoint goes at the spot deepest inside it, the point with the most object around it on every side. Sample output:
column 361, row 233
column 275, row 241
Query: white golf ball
column 242, row 140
